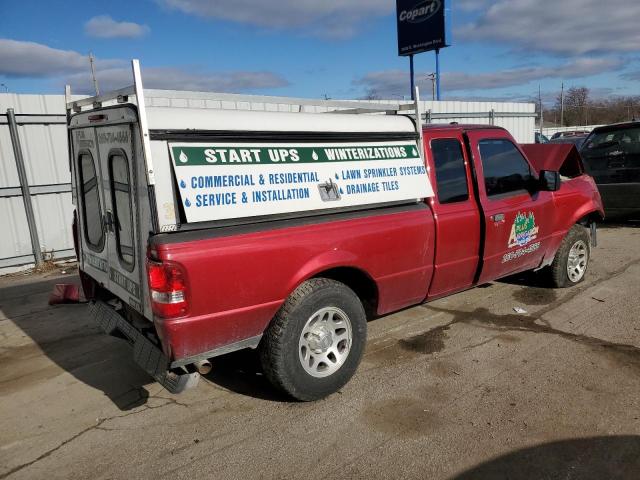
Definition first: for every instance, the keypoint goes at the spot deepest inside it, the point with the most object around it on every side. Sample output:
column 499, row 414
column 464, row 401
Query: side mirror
column 549, row 181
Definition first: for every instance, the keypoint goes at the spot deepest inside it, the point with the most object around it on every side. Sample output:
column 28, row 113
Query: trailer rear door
column 121, row 220
column 91, row 206
column 112, row 252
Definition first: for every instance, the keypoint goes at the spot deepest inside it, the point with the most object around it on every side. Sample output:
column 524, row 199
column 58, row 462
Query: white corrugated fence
column 42, row 132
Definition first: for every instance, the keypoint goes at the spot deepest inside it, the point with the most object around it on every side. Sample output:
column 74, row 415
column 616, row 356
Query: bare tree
column 372, row 94
column 581, row 109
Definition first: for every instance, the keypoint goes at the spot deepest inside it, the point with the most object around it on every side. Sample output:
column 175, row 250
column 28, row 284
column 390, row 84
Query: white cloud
column 567, row 27
column 634, row 76
column 324, row 18
column 470, row 5
column 35, row 60
column 30, row 59
column 172, row 78
column 391, row 82
column 103, row 26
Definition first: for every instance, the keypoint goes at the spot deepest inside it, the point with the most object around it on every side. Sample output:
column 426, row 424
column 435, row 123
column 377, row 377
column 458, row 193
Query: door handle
column 108, row 221
column 498, row 217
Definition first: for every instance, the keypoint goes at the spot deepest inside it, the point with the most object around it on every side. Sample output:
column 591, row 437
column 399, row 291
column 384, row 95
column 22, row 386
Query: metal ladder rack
column 140, row 95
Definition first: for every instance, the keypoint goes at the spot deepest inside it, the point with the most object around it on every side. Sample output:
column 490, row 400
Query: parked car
column 203, row 232
column 612, row 156
column 577, row 140
column 571, row 133
column 540, row 138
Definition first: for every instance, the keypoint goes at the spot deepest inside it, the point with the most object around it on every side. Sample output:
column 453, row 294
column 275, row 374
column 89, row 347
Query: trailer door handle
column 108, row 221
column 498, row 217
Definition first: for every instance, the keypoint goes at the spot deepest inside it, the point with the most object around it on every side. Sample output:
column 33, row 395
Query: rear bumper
column 145, row 353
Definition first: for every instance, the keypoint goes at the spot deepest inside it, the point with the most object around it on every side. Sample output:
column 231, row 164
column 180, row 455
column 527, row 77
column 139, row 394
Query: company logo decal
column 523, row 230
column 421, row 12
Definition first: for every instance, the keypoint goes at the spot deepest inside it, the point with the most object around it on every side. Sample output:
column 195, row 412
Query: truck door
column 518, row 219
column 118, row 166
column 456, row 214
column 92, row 242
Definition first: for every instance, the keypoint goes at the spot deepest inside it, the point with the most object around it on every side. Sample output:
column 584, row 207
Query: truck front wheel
column 314, row 344
column 572, row 259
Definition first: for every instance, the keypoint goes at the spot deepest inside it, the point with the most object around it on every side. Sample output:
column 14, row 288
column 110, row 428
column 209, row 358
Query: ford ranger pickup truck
column 203, row 231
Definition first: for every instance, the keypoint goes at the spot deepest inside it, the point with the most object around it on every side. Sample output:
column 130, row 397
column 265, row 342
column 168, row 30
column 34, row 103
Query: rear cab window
column 506, row 171
column 451, row 174
column 91, row 208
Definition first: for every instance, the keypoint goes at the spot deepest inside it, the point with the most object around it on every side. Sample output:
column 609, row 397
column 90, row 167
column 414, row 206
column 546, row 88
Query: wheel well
column 593, row 217
column 358, row 281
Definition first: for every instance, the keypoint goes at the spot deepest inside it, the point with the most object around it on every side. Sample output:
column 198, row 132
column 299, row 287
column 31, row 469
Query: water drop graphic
column 314, row 155
column 187, row 203
column 415, row 152
column 183, row 157
column 182, row 184
column 337, row 178
column 341, row 192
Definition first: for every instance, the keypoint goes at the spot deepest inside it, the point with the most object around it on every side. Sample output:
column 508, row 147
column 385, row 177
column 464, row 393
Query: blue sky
column 502, row 49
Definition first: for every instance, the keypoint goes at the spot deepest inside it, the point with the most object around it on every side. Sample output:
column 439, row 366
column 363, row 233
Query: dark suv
column 612, row 156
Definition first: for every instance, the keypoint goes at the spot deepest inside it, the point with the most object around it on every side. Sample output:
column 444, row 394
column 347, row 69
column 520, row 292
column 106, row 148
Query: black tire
column 279, row 348
column 558, row 271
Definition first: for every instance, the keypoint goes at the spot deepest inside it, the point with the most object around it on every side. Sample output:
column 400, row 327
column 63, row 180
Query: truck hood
column 559, row 157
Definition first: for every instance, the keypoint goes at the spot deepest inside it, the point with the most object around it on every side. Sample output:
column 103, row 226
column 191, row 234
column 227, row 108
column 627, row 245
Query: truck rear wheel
column 314, row 344
column 570, row 264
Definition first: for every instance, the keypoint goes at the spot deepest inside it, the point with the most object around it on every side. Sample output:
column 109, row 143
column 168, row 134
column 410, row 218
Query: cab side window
column 505, row 169
column 91, row 210
column 451, row 174
column 122, row 207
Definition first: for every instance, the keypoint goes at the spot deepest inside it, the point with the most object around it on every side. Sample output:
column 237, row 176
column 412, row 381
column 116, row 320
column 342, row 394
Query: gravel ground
column 463, row 387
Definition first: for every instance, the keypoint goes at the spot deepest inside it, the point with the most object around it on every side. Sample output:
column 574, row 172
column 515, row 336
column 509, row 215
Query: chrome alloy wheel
column 577, row 261
column 325, row 342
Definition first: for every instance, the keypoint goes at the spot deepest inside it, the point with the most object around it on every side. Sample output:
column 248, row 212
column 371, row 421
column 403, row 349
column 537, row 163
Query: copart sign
column 423, row 25
column 224, row 181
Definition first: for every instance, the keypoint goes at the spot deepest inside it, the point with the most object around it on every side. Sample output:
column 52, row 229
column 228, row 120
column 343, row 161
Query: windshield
column 625, row 137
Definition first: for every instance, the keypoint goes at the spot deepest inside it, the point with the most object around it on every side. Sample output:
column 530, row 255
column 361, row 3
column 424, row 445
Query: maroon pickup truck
column 301, row 287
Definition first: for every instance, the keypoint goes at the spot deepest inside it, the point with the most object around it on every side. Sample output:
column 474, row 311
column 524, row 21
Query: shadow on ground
column 67, row 337
column 597, row 458
column 240, row 372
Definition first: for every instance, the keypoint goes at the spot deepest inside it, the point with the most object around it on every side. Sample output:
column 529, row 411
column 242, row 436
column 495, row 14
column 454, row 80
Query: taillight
column 168, row 287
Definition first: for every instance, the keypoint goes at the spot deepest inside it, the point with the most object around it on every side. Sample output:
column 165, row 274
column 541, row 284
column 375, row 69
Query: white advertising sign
column 221, row 180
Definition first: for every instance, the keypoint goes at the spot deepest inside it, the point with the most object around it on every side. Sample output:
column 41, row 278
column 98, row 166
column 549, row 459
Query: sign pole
column 413, row 78
column 438, row 73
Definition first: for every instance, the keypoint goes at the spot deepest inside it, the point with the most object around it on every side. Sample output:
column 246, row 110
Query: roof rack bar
column 98, row 99
column 233, row 97
column 142, row 120
column 418, row 117
column 356, row 111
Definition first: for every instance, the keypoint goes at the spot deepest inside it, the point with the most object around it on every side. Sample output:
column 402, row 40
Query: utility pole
column 541, row 112
column 93, row 73
column 438, row 74
column 432, row 77
column 413, row 77
column 562, row 105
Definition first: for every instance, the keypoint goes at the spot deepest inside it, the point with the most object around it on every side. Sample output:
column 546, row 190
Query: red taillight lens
column 168, row 287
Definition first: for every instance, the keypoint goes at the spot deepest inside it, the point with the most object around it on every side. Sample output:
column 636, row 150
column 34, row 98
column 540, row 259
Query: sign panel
column 423, row 25
column 223, row 181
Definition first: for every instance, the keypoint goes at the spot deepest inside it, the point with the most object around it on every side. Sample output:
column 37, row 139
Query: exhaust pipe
column 203, row 367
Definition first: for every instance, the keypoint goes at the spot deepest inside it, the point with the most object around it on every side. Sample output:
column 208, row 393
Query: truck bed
column 263, row 264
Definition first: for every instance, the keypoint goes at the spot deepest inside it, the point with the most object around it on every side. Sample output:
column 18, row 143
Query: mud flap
column 147, row 355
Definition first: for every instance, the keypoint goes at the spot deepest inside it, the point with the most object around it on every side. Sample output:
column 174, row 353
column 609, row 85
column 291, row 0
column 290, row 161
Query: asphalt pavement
column 461, row 388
